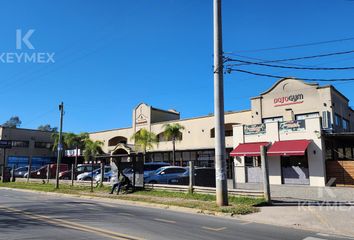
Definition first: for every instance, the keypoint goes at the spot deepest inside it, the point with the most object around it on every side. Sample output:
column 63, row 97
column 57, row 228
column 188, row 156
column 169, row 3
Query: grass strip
column 205, row 202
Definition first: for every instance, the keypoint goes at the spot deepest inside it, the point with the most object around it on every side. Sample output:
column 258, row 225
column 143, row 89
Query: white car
column 87, row 176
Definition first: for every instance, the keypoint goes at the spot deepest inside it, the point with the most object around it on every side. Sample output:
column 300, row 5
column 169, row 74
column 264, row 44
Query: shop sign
column 5, row 144
column 254, row 129
column 288, row 100
column 292, row 126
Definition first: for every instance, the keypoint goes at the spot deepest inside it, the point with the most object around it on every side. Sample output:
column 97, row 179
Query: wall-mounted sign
column 72, row 153
column 141, row 118
column 289, row 100
column 292, row 126
column 254, row 129
column 5, row 144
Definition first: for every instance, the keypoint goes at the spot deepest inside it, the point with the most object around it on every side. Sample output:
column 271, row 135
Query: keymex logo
column 25, row 51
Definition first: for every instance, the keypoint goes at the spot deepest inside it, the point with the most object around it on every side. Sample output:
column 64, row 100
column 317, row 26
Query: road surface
column 27, row 215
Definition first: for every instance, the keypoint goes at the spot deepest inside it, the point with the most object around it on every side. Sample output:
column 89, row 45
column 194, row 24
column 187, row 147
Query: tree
column 172, row 132
column 13, row 122
column 92, row 149
column 70, row 141
column 47, row 128
column 77, row 141
column 143, row 140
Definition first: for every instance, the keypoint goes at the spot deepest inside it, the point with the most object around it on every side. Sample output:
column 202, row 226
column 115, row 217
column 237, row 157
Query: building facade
column 295, row 120
column 290, row 113
column 27, row 146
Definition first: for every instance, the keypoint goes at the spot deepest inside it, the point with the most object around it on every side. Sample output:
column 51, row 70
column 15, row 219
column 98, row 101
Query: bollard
column 48, row 173
column 102, row 174
column 72, row 174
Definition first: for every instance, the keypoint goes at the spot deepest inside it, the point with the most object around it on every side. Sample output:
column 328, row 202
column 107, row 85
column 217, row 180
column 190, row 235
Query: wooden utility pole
column 60, row 144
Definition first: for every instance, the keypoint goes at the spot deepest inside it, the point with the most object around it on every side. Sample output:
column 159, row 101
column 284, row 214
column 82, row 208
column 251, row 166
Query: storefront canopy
column 288, row 148
column 248, row 149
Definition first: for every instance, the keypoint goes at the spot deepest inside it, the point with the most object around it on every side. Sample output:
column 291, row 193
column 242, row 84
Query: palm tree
column 77, row 141
column 172, row 132
column 143, row 139
column 92, row 149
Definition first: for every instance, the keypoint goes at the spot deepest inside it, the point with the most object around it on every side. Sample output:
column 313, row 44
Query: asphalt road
column 26, row 215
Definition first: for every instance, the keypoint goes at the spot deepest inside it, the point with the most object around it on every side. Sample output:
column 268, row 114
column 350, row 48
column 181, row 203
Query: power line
column 288, row 67
column 302, row 58
column 295, row 46
column 304, row 79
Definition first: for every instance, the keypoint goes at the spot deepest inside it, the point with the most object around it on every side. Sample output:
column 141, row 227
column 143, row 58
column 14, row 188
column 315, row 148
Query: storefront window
column 348, row 152
column 345, row 124
column 338, row 120
column 20, row 144
column 273, row 119
column 306, row 116
column 253, row 162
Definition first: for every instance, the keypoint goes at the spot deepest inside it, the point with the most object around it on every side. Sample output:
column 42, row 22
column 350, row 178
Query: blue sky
column 111, row 55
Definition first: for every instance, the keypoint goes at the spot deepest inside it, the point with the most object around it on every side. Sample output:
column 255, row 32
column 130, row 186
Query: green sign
column 292, row 126
column 254, row 129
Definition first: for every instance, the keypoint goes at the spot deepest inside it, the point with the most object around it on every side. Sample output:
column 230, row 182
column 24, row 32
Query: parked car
column 203, row 176
column 163, row 175
column 106, row 177
column 151, row 167
column 21, row 171
column 87, row 176
column 42, row 172
column 81, row 168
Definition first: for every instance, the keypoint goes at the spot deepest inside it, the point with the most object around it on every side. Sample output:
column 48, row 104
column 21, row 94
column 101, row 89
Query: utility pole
column 265, row 171
column 220, row 161
column 60, row 144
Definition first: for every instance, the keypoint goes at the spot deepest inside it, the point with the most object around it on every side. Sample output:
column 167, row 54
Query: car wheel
column 153, row 182
column 87, row 179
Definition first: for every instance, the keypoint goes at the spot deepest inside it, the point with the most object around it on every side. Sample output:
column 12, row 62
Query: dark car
column 203, row 176
column 21, row 171
column 42, row 172
column 81, row 168
column 164, row 175
column 151, row 167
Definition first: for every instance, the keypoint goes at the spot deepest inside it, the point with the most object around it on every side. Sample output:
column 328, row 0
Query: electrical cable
column 299, row 78
column 295, row 45
column 305, row 57
column 288, row 67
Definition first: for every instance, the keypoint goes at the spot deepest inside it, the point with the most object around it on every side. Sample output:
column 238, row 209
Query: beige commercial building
column 27, row 146
column 317, row 118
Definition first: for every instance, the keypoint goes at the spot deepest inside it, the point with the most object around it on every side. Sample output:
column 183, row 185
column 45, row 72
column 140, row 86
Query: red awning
column 248, row 149
column 288, row 148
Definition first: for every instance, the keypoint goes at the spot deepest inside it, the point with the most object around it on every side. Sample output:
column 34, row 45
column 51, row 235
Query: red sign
column 289, row 100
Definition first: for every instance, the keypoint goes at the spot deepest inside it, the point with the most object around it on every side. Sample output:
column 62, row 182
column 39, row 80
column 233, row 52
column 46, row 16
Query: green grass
column 204, row 202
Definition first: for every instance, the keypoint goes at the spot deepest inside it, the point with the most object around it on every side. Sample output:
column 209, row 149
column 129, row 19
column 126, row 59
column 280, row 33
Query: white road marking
column 164, row 220
column 126, row 214
column 313, row 238
column 214, row 229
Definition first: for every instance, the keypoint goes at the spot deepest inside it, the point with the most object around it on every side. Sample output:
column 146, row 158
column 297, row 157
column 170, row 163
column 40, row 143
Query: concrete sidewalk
column 329, row 219
column 300, row 192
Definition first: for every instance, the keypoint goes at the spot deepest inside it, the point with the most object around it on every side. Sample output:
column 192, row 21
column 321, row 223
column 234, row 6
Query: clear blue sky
column 111, row 55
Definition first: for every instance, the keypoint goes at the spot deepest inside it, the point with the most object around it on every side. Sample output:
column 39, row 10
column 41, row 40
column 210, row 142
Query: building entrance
column 295, row 170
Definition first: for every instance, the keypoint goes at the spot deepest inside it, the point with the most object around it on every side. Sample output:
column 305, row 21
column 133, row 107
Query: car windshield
column 21, row 169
